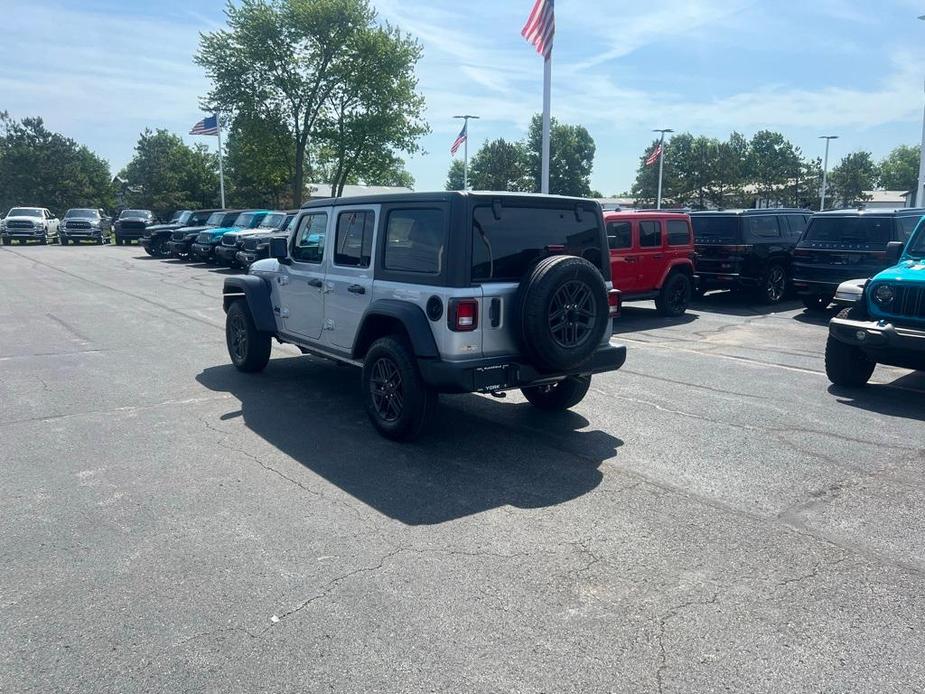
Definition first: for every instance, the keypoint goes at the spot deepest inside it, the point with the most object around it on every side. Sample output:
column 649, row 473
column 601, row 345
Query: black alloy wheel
column 675, row 295
column 237, row 337
column 386, row 390
column 572, row 314
column 775, row 284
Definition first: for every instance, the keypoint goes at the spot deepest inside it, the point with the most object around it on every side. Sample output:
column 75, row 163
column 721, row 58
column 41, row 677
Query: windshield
column 215, row 219
column 82, row 214
column 710, row 228
column 134, row 213
column 916, row 247
column 504, row 249
column 848, row 230
column 181, row 217
column 273, row 221
column 25, row 212
column 244, row 220
column 289, row 224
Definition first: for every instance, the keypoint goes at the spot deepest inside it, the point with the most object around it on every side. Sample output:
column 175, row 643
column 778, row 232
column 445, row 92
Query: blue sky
column 101, row 71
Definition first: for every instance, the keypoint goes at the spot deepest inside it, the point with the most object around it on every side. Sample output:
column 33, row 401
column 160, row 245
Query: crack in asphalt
column 662, row 628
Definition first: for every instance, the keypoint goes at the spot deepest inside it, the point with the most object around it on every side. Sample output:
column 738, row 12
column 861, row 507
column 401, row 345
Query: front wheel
column 248, row 348
column 7, row 241
column 558, row 396
column 675, row 295
column 63, row 240
column 774, row 284
column 816, row 303
column 399, row 404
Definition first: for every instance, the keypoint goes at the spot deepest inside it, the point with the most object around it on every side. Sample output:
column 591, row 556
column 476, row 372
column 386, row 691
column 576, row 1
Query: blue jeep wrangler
column 887, row 326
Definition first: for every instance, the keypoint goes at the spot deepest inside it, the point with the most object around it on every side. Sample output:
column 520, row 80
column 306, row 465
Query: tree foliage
column 166, row 175
column 325, row 71
column 455, row 178
column 499, row 165
column 854, row 174
column 258, row 163
column 39, row 167
column 899, row 170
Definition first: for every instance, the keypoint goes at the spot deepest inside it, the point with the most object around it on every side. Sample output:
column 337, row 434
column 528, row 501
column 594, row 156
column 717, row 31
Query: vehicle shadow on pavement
column 886, row 399
column 740, row 303
column 637, row 318
column 817, row 317
column 481, row 454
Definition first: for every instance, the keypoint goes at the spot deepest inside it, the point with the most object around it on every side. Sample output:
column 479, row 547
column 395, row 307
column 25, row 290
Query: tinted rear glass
column 619, row 235
column 678, row 233
column 504, row 249
column 761, row 228
column 849, row 230
column 715, row 229
column 907, row 226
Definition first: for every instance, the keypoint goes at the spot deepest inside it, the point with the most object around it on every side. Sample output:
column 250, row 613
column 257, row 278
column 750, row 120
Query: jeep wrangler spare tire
column 562, row 312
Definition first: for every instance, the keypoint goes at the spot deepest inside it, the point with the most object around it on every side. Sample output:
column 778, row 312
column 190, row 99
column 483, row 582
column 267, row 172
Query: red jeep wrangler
column 652, row 257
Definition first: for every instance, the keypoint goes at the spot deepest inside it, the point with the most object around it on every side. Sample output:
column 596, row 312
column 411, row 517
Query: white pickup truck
column 28, row 224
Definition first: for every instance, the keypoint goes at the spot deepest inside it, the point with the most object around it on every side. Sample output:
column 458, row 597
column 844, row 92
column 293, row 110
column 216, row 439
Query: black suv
column 747, row 248
column 156, row 237
column 131, row 224
column 846, row 245
column 183, row 238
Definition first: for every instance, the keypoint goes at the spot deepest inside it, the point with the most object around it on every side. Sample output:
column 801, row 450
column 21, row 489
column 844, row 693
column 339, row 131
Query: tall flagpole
column 221, row 171
column 466, row 118
column 547, row 104
column 661, row 164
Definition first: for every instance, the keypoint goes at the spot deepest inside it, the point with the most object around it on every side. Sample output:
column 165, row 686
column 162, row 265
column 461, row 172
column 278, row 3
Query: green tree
column 374, row 106
column 692, row 161
column 645, row 188
column 312, row 66
column 258, row 163
column 455, row 178
column 730, row 172
column 772, row 163
column 571, row 157
column 854, row 174
column 40, row 167
column 166, row 175
column 499, row 165
column 899, row 170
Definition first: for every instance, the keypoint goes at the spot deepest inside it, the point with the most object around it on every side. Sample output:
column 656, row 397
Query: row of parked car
column 79, row 224
column 671, row 256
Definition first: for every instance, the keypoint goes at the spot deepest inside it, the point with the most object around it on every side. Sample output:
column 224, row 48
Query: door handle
column 315, row 283
column 631, row 259
column 356, row 289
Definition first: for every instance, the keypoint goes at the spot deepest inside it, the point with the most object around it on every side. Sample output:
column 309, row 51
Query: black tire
column 558, row 396
column 63, row 241
column 158, row 248
column 43, row 241
column 773, row 287
column 675, row 295
column 815, row 302
column 399, row 404
column 562, row 312
column 7, row 241
column 847, row 365
column 248, row 348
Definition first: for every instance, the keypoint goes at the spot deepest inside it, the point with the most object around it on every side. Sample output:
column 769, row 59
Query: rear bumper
column 499, row 373
column 724, row 279
column 884, row 342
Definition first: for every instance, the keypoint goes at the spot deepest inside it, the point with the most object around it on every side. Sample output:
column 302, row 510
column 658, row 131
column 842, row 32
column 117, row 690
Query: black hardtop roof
column 751, row 211
column 212, row 211
column 441, row 196
column 874, row 212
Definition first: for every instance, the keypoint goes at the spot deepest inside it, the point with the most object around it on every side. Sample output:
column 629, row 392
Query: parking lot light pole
column 661, row 164
column 825, row 169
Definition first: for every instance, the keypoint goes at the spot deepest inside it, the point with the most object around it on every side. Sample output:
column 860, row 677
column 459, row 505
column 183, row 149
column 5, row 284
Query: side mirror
column 279, row 249
column 894, row 251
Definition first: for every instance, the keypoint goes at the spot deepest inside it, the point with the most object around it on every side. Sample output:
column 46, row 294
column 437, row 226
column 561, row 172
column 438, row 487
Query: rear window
column 761, row 228
column 504, row 249
column 907, row 226
column 716, row 229
column 678, row 233
column 415, row 241
column 848, row 230
column 619, row 235
column 354, row 241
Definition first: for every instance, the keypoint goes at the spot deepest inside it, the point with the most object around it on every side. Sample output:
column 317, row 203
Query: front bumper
column 815, row 287
column 500, row 373
column 130, row 233
column 884, row 342
column 226, row 254
column 246, row 258
column 202, row 250
column 24, row 233
column 178, row 247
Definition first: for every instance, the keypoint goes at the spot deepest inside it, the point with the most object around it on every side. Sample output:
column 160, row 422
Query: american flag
column 653, row 157
column 458, row 142
column 207, row 126
column 541, row 27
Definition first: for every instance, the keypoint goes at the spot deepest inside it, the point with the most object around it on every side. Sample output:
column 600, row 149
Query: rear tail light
column 463, row 315
column 614, row 302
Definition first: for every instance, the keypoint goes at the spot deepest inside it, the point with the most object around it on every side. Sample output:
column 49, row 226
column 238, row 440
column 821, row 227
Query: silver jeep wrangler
column 437, row 293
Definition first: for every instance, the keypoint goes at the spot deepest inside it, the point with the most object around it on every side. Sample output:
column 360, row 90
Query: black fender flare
column 256, row 292
column 410, row 315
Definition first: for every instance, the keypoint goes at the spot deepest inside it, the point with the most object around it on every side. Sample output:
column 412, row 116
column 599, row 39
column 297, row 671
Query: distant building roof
column 883, row 197
column 323, row 190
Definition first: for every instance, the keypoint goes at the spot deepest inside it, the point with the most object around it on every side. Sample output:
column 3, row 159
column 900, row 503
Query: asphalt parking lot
column 713, row 517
